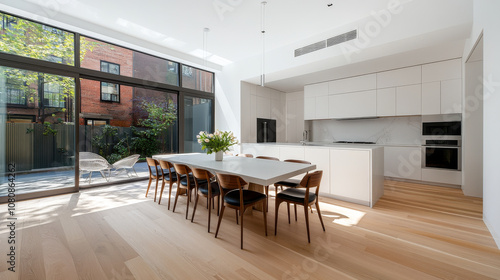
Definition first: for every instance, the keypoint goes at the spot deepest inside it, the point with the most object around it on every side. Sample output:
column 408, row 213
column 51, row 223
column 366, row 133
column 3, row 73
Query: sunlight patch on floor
column 341, row 215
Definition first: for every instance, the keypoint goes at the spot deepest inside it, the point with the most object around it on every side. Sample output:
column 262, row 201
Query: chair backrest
column 202, row 174
column 312, row 180
column 269, row 158
column 182, row 169
column 297, row 161
column 152, row 163
column 165, row 165
column 245, row 155
column 229, row 181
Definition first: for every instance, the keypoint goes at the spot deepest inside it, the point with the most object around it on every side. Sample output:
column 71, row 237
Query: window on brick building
column 109, row 91
column 15, row 90
column 53, row 95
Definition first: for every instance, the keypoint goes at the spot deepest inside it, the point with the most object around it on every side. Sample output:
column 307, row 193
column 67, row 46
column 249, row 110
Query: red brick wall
column 91, row 90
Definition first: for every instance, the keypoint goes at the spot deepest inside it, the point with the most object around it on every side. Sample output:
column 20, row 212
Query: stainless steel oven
column 442, row 153
column 442, row 142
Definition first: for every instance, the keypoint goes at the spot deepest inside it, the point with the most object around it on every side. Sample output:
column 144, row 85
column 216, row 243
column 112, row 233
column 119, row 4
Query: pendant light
column 263, row 34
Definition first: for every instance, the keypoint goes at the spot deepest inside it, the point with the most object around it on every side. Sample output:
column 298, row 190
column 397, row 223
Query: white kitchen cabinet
column 451, row 96
column 443, row 70
column 386, row 102
column 292, row 152
column 353, row 84
column 431, row 98
column 400, row 77
column 403, row 162
column 263, row 107
column 353, row 105
column 309, row 108
column 409, row 100
column 350, row 174
column 321, row 107
column 260, row 150
column 294, row 117
column 314, row 90
column 321, row 158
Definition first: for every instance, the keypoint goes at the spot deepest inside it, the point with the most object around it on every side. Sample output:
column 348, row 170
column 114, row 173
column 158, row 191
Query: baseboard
column 495, row 236
column 423, row 182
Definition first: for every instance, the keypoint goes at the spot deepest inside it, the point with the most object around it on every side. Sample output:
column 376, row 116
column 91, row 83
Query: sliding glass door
column 198, row 114
column 37, row 117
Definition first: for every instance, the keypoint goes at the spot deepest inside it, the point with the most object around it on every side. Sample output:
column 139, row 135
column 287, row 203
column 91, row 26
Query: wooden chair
column 154, row 174
column 185, row 184
column 168, row 175
column 291, row 183
column 206, row 187
column 267, row 187
column 239, row 199
column 245, row 155
column 302, row 197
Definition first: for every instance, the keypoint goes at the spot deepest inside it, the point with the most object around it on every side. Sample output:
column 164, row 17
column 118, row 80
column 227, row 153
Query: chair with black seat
column 154, row 174
column 239, row 199
column 185, row 184
column 266, row 188
column 290, row 183
column 206, row 186
column 302, row 197
column 168, row 175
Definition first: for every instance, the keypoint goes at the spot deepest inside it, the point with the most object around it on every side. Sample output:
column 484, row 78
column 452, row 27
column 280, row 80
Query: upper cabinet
column 408, row 100
column 359, row 83
column 316, row 101
column 400, row 77
column 442, row 87
column 353, row 105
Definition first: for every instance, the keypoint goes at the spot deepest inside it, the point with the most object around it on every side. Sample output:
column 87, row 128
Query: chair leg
column 218, row 205
column 149, row 185
column 241, row 224
column 161, row 191
column 295, row 209
column 288, row 209
column 169, row 193
column 319, row 215
column 90, row 178
column 276, row 211
column 195, row 204
column 156, row 188
column 135, row 172
column 306, row 213
column 188, row 200
column 237, row 216
column 265, row 217
column 176, row 197
column 220, row 219
column 210, row 202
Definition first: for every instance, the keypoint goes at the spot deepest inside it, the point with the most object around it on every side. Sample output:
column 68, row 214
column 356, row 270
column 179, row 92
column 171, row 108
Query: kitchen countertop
column 343, row 145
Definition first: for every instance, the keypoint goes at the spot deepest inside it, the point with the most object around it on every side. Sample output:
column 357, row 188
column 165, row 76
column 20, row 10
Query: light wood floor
column 414, row 232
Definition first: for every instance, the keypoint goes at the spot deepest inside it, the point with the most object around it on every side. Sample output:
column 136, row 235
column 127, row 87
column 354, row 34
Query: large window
column 30, row 39
column 197, row 117
column 15, row 91
column 53, row 95
column 197, row 79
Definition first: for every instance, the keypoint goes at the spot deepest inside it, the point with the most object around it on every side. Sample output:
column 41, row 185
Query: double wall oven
column 442, row 142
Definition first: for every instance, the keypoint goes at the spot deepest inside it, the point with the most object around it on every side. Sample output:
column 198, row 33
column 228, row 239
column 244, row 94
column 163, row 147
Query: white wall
column 472, row 130
column 486, row 20
column 294, row 116
column 395, row 130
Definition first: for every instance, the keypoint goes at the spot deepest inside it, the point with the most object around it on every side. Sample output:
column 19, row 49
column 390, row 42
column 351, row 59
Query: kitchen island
column 351, row 172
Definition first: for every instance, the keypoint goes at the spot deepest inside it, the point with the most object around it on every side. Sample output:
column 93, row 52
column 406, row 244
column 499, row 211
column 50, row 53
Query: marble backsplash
column 391, row 130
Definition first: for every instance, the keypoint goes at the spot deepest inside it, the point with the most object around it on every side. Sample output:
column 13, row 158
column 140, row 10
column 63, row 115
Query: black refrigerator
column 266, row 130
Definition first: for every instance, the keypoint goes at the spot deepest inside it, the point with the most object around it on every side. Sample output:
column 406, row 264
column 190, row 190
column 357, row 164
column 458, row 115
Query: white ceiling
column 175, row 27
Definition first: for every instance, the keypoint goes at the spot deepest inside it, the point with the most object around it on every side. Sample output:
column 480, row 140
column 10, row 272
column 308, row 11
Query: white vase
column 219, row 155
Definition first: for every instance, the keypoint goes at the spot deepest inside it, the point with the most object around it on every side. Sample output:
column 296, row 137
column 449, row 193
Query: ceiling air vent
column 348, row 36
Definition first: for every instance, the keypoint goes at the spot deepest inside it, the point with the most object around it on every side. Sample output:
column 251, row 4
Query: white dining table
column 253, row 170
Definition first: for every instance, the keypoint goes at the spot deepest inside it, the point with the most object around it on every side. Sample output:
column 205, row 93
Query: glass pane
column 144, row 123
column 197, row 117
column 26, row 38
column 101, row 56
column 39, row 141
column 197, row 79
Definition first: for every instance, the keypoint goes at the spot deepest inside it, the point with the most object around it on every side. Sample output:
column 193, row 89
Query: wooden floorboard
column 414, row 232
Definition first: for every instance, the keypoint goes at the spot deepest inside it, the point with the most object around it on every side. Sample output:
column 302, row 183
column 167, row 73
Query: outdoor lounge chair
column 90, row 162
column 127, row 163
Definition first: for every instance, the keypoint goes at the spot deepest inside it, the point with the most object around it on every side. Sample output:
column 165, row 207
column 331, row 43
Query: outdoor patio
column 49, row 180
